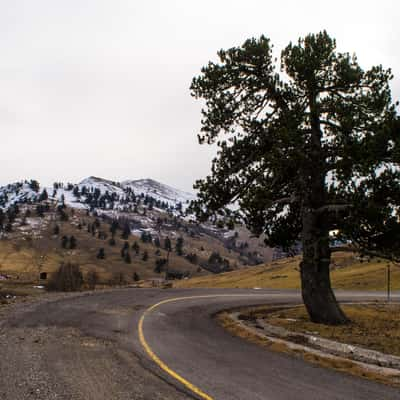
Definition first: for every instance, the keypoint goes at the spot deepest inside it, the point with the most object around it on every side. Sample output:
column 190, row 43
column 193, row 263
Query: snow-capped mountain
column 146, row 206
column 104, row 185
column 159, row 191
column 100, row 193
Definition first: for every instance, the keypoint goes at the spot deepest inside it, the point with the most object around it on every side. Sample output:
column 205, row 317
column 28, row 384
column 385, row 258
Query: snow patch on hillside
column 16, row 193
column 159, row 191
column 103, row 185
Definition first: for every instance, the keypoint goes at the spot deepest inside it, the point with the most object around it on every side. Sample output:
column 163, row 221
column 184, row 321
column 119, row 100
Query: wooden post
column 388, row 283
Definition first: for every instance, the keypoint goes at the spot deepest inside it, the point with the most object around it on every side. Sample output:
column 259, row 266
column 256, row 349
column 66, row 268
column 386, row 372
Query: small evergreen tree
column 2, row 219
column 179, row 246
column 64, row 242
column 34, row 185
column 72, row 242
column 92, row 279
column 56, row 230
column 145, row 237
column 160, row 263
column 127, row 257
column 113, row 227
column 61, row 212
column 101, row 254
column 126, row 231
column 136, row 277
column 167, row 244
column 145, row 256
column 43, row 196
column 192, row 258
column 125, row 249
column 118, row 278
column 136, row 247
column 8, row 228
column 40, row 211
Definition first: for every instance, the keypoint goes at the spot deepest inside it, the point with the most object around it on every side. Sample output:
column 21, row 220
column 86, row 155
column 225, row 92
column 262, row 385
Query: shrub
column 92, row 279
column 192, row 258
column 160, row 263
column 72, row 242
column 127, row 257
column 56, row 230
column 136, row 248
column 118, row 278
column 101, row 254
column 64, row 242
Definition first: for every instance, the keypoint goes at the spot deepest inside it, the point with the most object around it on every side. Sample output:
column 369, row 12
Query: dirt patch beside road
column 42, row 360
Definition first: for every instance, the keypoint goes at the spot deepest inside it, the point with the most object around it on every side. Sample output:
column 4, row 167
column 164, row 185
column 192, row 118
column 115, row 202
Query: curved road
column 88, row 347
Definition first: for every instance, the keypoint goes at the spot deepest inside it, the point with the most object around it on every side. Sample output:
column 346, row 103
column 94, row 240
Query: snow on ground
column 22, row 192
column 159, row 191
column 16, row 193
column 69, row 198
column 103, row 185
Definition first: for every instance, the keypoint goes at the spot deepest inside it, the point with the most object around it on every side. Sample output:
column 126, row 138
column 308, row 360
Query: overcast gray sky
column 91, row 87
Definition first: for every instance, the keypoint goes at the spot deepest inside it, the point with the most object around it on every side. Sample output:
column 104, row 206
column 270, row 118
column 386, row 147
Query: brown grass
column 347, row 272
column 20, row 256
column 373, row 326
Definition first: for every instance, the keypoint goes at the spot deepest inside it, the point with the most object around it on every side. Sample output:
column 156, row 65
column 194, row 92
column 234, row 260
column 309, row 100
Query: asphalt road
column 88, row 347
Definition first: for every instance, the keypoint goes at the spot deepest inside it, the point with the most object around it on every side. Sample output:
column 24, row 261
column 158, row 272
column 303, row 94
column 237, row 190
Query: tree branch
column 333, row 207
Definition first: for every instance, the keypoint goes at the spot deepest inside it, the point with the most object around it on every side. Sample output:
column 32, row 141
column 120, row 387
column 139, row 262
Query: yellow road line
column 157, row 360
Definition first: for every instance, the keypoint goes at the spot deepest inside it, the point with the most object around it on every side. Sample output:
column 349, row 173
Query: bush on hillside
column 92, row 279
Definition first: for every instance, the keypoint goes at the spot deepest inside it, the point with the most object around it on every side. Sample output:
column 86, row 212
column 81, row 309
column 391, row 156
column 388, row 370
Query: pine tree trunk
column 318, row 296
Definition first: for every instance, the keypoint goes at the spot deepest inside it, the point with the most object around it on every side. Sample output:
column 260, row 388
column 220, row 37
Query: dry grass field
column 22, row 256
column 347, row 272
column 34, row 247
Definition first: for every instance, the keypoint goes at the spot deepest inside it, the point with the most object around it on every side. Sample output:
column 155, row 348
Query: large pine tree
column 304, row 151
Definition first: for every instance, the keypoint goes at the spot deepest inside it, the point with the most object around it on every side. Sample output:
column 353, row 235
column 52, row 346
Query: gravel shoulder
column 46, row 361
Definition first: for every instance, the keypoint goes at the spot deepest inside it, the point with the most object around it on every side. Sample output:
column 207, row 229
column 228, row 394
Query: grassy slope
column 20, row 257
column 21, row 253
column 347, row 273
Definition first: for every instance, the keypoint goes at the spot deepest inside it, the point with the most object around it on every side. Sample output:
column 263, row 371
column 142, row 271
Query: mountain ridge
column 19, row 191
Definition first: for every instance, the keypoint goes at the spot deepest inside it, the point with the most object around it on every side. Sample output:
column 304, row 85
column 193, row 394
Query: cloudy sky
column 92, row 87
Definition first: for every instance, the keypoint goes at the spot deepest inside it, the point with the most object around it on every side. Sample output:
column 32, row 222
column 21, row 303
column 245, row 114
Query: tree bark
column 317, row 293
column 318, row 296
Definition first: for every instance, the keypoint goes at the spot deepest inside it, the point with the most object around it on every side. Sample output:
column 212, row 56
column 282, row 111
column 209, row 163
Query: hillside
column 347, row 272
column 34, row 221
column 36, row 246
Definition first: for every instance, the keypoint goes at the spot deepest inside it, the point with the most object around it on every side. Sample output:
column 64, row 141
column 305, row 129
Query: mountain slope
column 145, row 207
column 159, row 191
